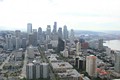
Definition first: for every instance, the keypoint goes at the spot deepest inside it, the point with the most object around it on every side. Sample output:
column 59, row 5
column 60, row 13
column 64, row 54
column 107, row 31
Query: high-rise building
column 78, row 48
column 48, row 31
column 61, row 45
column 82, row 63
column 55, row 27
column 14, row 42
column 34, row 37
column 100, row 44
column 29, row 28
column 30, row 40
column 45, row 70
column 117, row 61
column 60, row 33
column 30, row 71
column 18, row 33
column 23, row 43
column 18, row 43
column 40, row 35
column 65, row 32
column 91, row 65
column 72, row 35
column 9, row 41
column 37, row 70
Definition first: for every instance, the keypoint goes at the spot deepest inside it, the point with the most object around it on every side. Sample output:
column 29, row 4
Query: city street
column 6, row 61
column 52, row 75
column 23, row 73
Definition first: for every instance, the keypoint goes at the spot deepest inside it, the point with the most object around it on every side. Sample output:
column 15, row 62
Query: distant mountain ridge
column 88, row 32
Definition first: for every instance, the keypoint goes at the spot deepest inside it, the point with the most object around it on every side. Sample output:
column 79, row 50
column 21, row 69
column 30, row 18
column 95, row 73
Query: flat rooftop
column 60, row 65
column 69, row 73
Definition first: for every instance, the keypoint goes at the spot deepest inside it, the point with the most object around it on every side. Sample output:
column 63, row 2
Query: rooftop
column 69, row 73
column 59, row 65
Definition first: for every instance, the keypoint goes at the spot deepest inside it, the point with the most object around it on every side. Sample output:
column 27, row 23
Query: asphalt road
column 6, row 61
column 23, row 73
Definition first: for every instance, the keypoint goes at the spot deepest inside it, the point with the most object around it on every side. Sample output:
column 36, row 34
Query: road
column 6, row 61
column 23, row 73
column 44, row 58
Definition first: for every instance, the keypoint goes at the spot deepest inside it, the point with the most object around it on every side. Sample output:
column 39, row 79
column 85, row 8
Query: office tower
column 117, row 61
column 44, row 36
column 72, row 35
column 65, row 32
column 34, row 37
column 55, row 27
column 30, row 52
column 48, row 31
column 60, row 33
column 24, row 43
column 14, row 42
column 76, row 61
column 30, row 40
column 40, row 35
column 100, row 44
column 91, row 65
column 18, row 43
column 30, row 71
column 9, row 41
column 61, row 45
column 82, row 63
column 29, row 28
column 78, row 48
column 18, row 33
column 45, row 70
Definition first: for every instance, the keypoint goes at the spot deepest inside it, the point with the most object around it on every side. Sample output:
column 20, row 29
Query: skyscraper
column 60, row 33
column 91, row 65
column 18, row 43
column 23, row 43
column 78, row 48
column 29, row 28
column 117, row 61
column 34, row 37
column 72, row 35
column 9, row 41
column 48, row 31
column 18, row 33
column 61, row 45
column 55, row 27
column 45, row 70
column 30, row 71
column 40, row 35
column 30, row 40
column 65, row 32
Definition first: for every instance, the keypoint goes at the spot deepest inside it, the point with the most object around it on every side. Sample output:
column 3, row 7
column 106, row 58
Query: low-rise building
column 61, row 66
column 69, row 74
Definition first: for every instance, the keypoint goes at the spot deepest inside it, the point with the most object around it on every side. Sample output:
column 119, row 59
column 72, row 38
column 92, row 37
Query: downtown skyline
column 76, row 14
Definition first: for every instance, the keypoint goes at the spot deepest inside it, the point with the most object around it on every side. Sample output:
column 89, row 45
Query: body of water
column 113, row 44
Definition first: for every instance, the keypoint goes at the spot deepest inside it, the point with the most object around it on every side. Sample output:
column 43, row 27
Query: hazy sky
column 76, row 14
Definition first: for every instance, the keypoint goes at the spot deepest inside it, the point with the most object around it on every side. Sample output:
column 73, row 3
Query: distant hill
column 77, row 32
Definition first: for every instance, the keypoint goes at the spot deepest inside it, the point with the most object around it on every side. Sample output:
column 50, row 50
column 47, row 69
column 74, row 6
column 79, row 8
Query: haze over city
column 77, row 14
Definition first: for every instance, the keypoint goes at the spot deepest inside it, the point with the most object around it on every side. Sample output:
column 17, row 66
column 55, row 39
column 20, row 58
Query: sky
column 76, row 14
